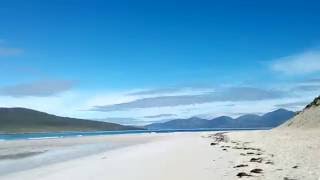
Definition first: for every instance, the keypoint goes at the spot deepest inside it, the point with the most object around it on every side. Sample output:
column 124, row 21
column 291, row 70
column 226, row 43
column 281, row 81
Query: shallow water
column 15, row 163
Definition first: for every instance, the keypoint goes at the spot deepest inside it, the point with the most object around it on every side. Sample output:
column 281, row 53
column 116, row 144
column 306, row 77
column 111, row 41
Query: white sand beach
column 287, row 155
column 159, row 90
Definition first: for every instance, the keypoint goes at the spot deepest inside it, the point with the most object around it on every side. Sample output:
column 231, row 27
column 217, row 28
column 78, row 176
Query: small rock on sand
column 258, row 160
column 286, row 178
column 269, row 162
column 256, row 171
column 242, row 174
column 241, row 165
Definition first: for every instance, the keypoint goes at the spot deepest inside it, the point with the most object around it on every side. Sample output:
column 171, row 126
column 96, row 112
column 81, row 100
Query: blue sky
column 143, row 61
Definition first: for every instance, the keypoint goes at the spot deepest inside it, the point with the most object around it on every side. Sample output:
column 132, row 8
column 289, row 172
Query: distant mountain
column 272, row 119
column 21, row 120
column 308, row 118
column 190, row 123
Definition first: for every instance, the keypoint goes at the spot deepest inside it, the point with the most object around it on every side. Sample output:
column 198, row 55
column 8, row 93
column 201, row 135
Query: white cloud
column 64, row 104
column 37, row 89
column 170, row 91
column 74, row 103
column 299, row 64
column 234, row 94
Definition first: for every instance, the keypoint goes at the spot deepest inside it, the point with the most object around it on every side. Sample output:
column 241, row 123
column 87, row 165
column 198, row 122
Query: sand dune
column 309, row 118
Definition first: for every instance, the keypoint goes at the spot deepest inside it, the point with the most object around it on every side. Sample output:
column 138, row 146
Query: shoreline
column 22, row 155
column 71, row 134
column 188, row 156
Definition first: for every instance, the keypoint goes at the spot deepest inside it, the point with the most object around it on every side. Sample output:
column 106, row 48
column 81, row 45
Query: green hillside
column 21, row 120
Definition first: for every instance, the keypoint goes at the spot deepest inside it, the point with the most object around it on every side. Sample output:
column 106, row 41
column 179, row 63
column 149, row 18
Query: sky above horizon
column 137, row 62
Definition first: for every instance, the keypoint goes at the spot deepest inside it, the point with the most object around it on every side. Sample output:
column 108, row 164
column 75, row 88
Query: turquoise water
column 34, row 136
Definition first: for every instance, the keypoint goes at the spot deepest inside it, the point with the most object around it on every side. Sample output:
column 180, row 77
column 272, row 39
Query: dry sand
column 291, row 154
column 309, row 118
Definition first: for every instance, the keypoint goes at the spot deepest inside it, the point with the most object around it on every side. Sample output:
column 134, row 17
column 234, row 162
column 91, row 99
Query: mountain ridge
column 271, row 119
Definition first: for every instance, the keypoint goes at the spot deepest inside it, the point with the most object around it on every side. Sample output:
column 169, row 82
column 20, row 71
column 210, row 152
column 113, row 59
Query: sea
column 55, row 135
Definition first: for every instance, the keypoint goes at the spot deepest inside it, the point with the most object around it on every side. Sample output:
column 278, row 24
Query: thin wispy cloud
column 37, row 89
column 235, row 94
column 307, row 87
column 154, row 91
column 170, row 91
column 8, row 51
column 311, row 80
column 293, row 104
column 299, row 64
column 160, row 116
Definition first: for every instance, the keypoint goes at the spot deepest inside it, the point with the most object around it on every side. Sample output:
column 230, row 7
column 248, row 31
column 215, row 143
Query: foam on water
column 39, row 138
